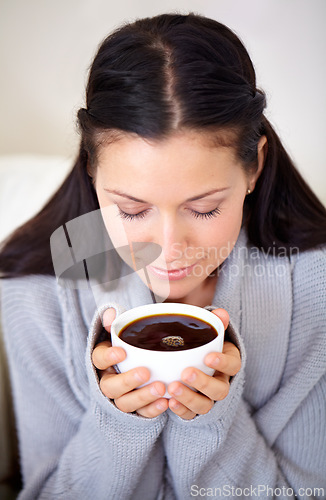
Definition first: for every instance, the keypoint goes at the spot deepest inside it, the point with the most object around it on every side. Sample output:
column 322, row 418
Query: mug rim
column 170, row 307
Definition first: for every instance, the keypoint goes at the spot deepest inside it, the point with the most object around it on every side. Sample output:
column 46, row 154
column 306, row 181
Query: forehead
column 177, row 168
column 108, row 143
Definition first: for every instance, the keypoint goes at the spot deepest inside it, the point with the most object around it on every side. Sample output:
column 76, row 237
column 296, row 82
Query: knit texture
column 269, row 431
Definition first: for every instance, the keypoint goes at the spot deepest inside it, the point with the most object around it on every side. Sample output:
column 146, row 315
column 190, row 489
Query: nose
column 173, row 237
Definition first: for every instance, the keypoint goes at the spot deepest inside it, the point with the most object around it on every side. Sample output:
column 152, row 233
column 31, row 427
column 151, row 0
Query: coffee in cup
column 167, row 338
column 168, row 332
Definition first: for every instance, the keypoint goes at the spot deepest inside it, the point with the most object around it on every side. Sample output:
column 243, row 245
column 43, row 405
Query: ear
column 90, row 173
column 262, row 148
column 89, row 170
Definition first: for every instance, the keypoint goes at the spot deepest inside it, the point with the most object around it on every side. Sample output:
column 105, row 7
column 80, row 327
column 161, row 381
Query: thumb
column 108, row 317
column 223, row 315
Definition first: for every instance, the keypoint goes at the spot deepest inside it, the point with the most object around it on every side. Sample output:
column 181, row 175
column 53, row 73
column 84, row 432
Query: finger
column 108, row 317
column 140, row 398
column 154, row 409
column 105, row 356
column 181, row 410
column 111, row 369
column 223, row 315
column 215, row 388
column 194, row 401
column 228, row 361
column 115, row 386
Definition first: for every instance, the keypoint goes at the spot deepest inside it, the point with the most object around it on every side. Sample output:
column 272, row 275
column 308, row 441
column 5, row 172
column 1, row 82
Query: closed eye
column 130, row 217
column 197, row 215
column 206, row 215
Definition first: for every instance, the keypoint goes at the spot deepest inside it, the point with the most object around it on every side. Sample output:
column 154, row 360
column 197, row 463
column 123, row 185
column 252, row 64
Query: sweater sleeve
column 277, row 451
column 72, row 444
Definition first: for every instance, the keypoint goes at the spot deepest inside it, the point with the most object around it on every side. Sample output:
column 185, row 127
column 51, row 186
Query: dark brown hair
column 154, row 77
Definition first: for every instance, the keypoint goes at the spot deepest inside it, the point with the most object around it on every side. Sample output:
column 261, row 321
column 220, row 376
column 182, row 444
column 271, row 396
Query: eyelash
column 126, row 216
column 206, row 215
column 197, row 215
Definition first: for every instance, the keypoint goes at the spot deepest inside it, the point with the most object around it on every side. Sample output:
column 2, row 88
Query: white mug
column 166, row 366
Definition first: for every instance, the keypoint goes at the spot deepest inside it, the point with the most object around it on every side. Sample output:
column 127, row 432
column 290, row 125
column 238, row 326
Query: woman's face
column 180, row 193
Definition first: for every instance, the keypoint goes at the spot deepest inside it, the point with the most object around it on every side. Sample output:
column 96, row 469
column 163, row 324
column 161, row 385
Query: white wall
column 46, row 47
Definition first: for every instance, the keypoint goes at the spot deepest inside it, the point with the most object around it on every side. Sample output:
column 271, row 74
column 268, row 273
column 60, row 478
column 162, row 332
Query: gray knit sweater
column 266, row 439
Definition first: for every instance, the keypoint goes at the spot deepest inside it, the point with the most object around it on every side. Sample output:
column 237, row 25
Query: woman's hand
column 185, row 402
column 122, row 388
column 148, row 401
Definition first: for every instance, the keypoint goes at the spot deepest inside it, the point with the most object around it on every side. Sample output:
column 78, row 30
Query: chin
column 179, row 290
column 173, row 295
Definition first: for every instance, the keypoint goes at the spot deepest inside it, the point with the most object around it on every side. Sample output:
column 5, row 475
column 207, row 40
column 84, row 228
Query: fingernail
column 139, row 377
column 160, row 406
column 113, row 356
column 175, row 404
column 177, row 391
column 154, row 391
column 191, row 377
column 215, row 361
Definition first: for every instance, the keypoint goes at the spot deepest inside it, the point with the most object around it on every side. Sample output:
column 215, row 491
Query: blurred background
column 46, row 48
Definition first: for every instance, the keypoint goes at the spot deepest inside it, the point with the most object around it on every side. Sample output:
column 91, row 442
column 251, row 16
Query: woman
column 174, row 143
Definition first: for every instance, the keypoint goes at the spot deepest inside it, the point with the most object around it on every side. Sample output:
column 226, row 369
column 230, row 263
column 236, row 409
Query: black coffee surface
column 168, row 332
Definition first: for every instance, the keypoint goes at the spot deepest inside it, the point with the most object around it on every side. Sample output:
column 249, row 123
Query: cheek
column 220, row 237
column 114, row 226
column 232, row 224
column 138, row 231
column 122, row 232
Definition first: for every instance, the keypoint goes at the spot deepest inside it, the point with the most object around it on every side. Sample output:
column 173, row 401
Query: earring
column 248, row 191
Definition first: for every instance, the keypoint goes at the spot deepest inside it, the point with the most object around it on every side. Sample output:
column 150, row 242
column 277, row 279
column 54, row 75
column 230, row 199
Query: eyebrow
column 198, row 197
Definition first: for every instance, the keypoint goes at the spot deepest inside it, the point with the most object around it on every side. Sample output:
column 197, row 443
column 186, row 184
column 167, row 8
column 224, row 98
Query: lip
column 171, row 274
